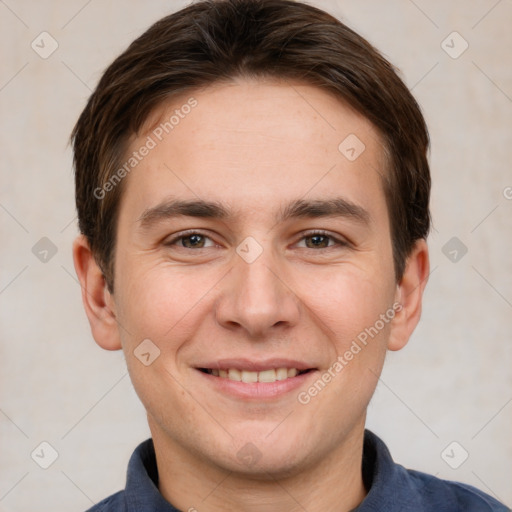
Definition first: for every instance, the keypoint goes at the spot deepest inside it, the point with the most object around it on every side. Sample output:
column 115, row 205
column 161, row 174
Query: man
column 252, row 190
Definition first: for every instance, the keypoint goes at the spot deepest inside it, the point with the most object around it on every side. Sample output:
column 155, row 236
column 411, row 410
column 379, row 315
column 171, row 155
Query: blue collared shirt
column 390, row 486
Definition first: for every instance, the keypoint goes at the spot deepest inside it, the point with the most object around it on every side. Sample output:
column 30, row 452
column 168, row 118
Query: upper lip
column 255, row 365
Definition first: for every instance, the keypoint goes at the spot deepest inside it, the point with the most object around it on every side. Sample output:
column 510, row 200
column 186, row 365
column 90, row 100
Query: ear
column 409, row 295
column 98, row 301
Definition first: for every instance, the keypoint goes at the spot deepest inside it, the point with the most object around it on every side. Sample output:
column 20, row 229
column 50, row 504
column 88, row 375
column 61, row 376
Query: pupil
column 193, row 241
column 318, row 241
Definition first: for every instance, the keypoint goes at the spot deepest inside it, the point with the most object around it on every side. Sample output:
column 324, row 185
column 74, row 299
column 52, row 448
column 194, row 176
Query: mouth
column 256, row 380
column 249, row 376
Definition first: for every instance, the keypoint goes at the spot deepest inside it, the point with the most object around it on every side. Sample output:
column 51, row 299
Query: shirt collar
column 388, row 484
column 142, row 482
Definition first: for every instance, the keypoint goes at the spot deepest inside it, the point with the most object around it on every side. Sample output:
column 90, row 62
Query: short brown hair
column 218, row 40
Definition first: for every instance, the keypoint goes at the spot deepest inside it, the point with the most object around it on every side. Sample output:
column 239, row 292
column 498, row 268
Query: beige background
column 453, row 382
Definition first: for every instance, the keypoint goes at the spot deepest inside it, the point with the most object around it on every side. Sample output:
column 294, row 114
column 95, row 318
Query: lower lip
column 257, row 390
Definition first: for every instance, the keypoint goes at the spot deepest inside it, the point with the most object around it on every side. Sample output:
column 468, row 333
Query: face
column 254, row 253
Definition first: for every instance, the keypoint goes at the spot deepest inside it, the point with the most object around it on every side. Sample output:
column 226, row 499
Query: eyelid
column 340, row 240
column 183, row 234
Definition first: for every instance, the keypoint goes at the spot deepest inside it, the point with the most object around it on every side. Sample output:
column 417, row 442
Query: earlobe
column 98, row 302
column 409, row 294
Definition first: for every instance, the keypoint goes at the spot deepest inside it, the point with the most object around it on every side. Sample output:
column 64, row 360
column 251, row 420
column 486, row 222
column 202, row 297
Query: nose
column 256, row 299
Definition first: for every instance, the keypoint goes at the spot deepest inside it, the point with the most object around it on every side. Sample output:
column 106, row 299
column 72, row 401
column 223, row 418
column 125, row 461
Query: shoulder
column 114, row 503
column 393, row 487
column 449, row 496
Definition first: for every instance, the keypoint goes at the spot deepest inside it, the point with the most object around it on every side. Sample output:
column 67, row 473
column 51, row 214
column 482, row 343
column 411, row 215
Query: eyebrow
column 177, row 207
column 337, row 207
column 299, row 208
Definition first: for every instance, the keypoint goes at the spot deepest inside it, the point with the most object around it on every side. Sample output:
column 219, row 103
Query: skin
column 254, row 146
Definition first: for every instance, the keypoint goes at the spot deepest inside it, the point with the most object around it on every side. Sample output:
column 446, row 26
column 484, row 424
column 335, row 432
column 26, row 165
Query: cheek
column 166, row 306
column 348, row 299
column 162, row 303
column 355, row 310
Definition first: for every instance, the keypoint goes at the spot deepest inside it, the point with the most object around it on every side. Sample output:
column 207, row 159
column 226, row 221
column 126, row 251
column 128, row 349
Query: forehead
column 252, row 142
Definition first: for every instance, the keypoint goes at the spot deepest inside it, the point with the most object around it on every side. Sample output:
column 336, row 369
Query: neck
column 332, row 483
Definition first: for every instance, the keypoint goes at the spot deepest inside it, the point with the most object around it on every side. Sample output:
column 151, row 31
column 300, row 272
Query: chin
column 267, row 457
column 265, row 465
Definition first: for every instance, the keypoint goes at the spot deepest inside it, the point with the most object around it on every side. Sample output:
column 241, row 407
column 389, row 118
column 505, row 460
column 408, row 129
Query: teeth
column 271, row 375
column 267, row 376
column 234, row 374
column 249, row 376
column 281, row 373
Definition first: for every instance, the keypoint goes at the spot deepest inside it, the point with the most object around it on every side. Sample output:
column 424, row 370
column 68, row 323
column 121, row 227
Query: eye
column 320, row 240
column 192, row 241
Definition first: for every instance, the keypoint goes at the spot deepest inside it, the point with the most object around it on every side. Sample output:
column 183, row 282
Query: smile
column 270, row 375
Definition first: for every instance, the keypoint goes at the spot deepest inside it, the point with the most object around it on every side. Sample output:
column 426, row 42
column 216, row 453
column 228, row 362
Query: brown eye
column 321, row 240
column 190, row 240
column 317, row 241
column 193, row 241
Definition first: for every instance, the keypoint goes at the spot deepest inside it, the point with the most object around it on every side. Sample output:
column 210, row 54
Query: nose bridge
column 259, row 283
column 256, row 298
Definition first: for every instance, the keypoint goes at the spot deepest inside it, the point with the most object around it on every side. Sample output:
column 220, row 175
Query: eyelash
column 337, row 241
column 320, row 232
